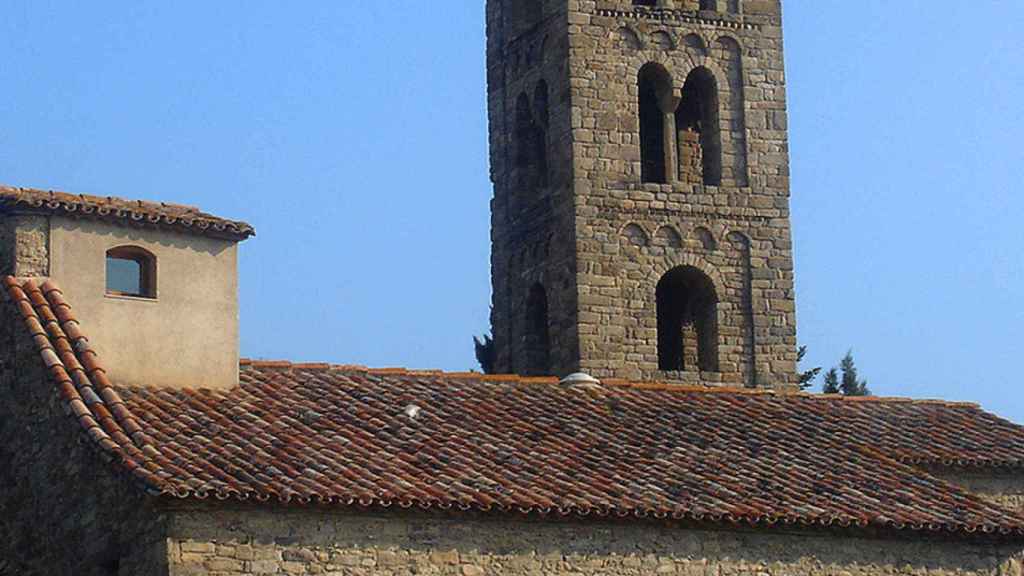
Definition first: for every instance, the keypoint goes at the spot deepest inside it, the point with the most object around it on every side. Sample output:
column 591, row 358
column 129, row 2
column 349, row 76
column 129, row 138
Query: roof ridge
column 653, row 386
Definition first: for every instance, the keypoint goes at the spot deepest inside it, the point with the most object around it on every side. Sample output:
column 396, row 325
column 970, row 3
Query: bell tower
column 640, row 219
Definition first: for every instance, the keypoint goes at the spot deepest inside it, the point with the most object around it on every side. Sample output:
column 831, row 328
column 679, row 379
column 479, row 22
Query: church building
column 645, row 417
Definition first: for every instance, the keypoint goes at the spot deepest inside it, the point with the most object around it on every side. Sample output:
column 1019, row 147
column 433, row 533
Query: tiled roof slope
column 348, row 436
column 126, row 212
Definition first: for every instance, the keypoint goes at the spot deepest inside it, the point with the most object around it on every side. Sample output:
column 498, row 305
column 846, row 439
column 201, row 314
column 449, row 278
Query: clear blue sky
column 355, row 141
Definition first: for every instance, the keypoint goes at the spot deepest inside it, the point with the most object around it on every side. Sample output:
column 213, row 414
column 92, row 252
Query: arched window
column 698, row 133
column 540, row 138
column 524, row 150
column 538, row 345
column 645, row 2
column 531, row 141
column 709, row 4
column 655, row 87
column 687, row 321
column 131, row 271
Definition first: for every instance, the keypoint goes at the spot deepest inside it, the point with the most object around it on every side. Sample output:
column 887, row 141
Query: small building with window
column 138, row 268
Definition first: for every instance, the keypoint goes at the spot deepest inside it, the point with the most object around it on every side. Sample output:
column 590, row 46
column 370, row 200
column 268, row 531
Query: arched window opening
column 131, row 271
column 645, row 2
column 687, row 321
column 525, row 150
column 697, row 128
column 540, row 140
column 732, row 6
column 709, row 4
column 538, row 344
column 654, row 88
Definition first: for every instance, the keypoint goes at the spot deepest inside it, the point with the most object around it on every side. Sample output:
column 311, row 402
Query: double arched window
column 131, row 271
column 680, row 139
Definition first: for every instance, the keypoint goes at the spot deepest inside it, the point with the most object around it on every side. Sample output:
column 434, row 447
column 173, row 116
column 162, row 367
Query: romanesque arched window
column 525, row 154
column 131, row 271
column 709, row 4
column 537, row 345
column 698, row 133
column 645, row 2
column 687, row 321
column 655, row 87
column 540, row 135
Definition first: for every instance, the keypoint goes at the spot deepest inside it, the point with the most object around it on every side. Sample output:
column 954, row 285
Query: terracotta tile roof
column 350, row 436
column 120, row 211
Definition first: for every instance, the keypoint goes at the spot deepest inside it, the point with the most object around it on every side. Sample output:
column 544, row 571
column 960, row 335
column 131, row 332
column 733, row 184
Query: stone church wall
column 310, row 542
column 63, row 510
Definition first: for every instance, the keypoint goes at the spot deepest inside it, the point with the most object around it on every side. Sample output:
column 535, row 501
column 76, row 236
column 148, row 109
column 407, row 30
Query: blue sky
column 355, row 141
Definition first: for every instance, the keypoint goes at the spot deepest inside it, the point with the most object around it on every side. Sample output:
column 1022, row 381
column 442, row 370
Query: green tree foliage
column 806, row 378
column 851, row 384
column 831, row 385
column 845, row 380
column 485, row 353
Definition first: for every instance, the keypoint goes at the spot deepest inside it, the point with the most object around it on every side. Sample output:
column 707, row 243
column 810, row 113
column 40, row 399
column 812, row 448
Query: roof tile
column 122, row 211
column 344, row 436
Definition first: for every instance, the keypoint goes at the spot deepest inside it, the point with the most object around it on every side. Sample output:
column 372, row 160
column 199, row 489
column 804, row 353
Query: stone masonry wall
column 737, row 233
column 311, row 542
column 567, row 236
column 531, row 228
column 62, row 509
column 24, row 245
column 1005, row 488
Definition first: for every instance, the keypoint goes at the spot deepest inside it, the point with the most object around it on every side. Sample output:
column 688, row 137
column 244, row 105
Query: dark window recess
column 131, row 271
column 697, row 127
column 538, row 343
column 531, row 143
column 655, row 87
column 687, row 321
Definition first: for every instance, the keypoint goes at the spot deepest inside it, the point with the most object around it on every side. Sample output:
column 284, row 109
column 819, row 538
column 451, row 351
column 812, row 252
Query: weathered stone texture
column 63, row 510
column 602, row 306
column 311, row 542
column 24, row 245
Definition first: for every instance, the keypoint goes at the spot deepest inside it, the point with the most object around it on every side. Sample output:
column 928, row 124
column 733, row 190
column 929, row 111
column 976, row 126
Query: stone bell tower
column 640, row 220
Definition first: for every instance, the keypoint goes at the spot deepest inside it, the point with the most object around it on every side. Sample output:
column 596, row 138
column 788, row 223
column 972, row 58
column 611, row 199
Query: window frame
column 147, row 271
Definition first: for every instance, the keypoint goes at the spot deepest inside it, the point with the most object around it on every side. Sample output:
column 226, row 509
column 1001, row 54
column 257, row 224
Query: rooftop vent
column 581, row 381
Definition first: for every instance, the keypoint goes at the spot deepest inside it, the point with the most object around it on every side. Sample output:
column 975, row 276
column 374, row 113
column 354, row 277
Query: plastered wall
column 186, row 337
